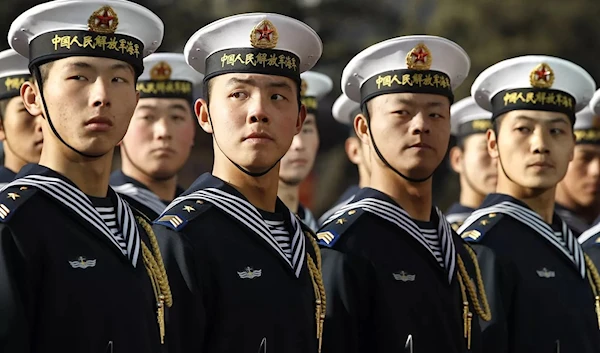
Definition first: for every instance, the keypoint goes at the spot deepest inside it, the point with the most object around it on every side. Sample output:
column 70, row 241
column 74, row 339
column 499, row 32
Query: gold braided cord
column 316, row 275
column 594, row 283
column 484, row 313
column 467, row 315
column 158, row 276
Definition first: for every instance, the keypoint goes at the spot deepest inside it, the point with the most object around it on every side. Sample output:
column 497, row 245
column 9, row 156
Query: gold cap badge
column 161, row 71
column 541, row 76
column 104, row 20
column 264, row 35
column 303, row 88
column 419, row 58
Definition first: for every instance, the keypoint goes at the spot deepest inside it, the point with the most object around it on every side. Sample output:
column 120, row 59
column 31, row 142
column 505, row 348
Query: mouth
column 163, row 150
column 99, row 124
column 421, row 145
column 298, row 161
column 542, row 165
column 258, row 136
column 39, row 143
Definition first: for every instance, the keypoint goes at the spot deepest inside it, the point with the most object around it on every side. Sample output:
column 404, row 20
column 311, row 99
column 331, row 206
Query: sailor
column 344, row 111
column 298, row 162
column 548, row 289
column 578, row 194
column 20, row 132
column 392, row 265
column 245, row 271
column 80, row 271
column 160, row 135
column 470, row 159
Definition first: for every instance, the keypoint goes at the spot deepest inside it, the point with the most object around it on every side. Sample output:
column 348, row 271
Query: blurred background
column 489, row 30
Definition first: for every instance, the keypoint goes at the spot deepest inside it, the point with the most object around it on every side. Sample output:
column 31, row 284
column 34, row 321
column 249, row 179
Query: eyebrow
column 84, row 65
column 178, row 106
column 551, row 121
column 412, row 103
column 252, row 82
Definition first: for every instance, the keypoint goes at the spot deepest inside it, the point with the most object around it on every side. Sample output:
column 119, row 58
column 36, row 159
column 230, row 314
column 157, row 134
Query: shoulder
column 480, row 227
column 590, row 238
column 330, row 233
column 177, row 216
column 12, row 200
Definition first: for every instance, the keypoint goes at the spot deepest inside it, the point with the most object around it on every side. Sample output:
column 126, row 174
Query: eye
column 436, row 115
column 238, row 95
column 177, row 118
column 523, row 129
column 557, row 131
column 277, row 97
column 308, row 130
column 119, row 79
column 401, row 112
column 77, row 78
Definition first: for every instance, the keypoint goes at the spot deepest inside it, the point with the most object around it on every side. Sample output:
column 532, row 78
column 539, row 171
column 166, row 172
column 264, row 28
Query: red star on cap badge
column 541, row 76
column 265, row 32
column 264, row 35
column 420, row 55
column 419, row 58
column 104, row 20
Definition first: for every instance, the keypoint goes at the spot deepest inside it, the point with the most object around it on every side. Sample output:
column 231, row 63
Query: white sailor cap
column 587, row 123
column 13, row 73
column 467, row 118
column 533, row 82
column 314, row 86
column 415, row 64
column 116, row 29
column 167, row 75
column 263, row 43
column 344, row 110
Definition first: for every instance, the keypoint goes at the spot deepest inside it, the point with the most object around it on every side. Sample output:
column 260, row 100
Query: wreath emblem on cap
column 541, row 76
column 303, row 88
column 161, row 71
column 419, row 58
column 264, row 35
column 104, row 20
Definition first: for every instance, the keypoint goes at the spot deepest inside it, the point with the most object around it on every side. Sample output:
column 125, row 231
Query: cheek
column 138, row 133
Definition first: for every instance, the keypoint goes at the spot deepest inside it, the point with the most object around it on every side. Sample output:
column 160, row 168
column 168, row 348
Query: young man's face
column 475, row 165
column 160, row 136
column 90, row 101
column 534, row 147
column 411, row 131
column 21, row 131
column 582, row 182
column 300, row 158
column 253, row 118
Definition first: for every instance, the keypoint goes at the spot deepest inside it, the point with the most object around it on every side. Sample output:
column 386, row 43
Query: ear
column 352, row 147
column 137, row 97
column 361, row 127
column 301, row 118
column 572, row 154
column 2, row 133
column 201, row 110
column 492, row 143
column 456, row 159
column 29, row 93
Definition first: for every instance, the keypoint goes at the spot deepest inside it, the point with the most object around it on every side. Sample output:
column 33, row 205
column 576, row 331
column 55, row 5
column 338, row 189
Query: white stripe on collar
column 249, row 216
column 401, row 219
column 79, row 203
column 589, row 233
column 531, row 219
column 143, row 196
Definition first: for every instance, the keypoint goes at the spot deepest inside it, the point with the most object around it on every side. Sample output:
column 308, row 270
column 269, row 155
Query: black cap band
column 61, row 44
column 10, row 86
column 587, row 136
column 253, row 60
column 543, row 99
column 407, row 81
column 166, row 89
column 310, row 103
column 476, row 126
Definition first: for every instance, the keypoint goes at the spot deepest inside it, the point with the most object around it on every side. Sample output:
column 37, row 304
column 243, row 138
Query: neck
column 90, row 175
column 587, row 213
column 541, row 201
column 11, row 160
column 363, row 177
column 414, row 198
column 165, row 189
column 261, row 191
column 468, row 196
column 290, row 195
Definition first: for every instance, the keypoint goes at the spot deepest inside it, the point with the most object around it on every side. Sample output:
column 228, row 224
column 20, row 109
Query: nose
column 539, row 142
column 297, row 143
column 99, row 94
column 161, row 129
column 257, row 110
column 420, row 124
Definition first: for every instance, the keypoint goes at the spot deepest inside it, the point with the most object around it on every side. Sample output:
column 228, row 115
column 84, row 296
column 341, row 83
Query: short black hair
column 207, row 87
column 3, row 106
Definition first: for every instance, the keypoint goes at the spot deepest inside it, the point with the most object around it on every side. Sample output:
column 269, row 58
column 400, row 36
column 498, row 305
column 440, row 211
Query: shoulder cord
column 158, row 276
column 316, row 275
column 594, row 279
column 463, row 277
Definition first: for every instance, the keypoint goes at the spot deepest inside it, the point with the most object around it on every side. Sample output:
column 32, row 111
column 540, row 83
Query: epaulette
column 179, row 215
column 329, row 234
column 12, row 198
column 475, row 232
